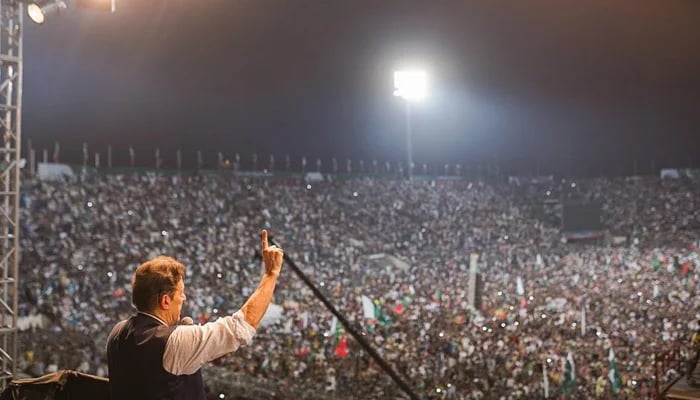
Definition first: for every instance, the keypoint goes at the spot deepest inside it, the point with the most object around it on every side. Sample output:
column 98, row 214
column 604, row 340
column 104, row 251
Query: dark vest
column 135, row 351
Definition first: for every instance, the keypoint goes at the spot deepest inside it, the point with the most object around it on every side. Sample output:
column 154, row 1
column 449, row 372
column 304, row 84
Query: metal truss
column 10, row 132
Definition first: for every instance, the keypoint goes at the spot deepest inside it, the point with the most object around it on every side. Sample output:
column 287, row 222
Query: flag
column 341, row 341
column 545, row 380
column 368, row 308
column 339, row 331
column 342, row 349
column 583, row 318
column 613, row 375
column 369, row 313
column 520, row 289
column 569, row 374
column 382, row 318
column 334, row 324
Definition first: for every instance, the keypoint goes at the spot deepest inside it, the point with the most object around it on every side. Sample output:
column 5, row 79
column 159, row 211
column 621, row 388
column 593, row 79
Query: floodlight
column 410, row 84
column 38, row 10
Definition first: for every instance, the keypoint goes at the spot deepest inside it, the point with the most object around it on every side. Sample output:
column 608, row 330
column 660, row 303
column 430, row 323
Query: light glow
column 411, row 85
column 35, row 13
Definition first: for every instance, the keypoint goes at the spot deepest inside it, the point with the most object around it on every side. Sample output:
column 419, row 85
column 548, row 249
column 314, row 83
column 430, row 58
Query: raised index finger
column 264, row 239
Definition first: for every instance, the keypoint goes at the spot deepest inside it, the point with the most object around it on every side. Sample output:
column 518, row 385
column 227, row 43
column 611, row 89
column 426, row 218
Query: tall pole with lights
column 411, row 86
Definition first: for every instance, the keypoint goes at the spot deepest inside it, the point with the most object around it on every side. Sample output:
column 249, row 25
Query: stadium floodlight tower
column 411, row 86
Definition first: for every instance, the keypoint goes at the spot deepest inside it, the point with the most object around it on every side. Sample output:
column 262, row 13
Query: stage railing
column 663, row 362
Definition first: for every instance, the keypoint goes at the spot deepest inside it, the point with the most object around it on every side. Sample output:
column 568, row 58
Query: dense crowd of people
column 406, row 247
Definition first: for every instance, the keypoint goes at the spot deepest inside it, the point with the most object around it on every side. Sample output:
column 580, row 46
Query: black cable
column 358, row 337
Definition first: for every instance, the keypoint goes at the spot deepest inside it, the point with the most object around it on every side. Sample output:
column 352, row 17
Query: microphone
column 186, row 321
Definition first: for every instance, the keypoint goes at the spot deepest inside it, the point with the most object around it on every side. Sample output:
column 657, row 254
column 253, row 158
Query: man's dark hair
column 153, row 279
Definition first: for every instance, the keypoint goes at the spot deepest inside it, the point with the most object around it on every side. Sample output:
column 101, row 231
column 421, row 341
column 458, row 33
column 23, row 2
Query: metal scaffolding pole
column 10, row 132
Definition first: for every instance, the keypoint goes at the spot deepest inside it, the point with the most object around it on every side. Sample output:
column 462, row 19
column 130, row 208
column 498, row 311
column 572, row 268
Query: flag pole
column 346, row 324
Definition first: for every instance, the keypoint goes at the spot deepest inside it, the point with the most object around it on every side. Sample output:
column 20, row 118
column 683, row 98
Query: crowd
column 543, row 299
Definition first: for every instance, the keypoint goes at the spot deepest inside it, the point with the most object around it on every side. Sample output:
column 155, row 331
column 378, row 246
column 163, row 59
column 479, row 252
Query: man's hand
column 272, row 256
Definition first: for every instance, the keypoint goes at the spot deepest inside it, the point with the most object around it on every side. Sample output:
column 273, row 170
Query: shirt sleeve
column 190, row 346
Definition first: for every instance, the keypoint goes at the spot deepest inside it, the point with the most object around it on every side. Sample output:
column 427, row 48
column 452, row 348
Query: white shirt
column 190, row 346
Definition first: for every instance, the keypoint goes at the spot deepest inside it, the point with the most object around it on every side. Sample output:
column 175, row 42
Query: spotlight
column 39, row 9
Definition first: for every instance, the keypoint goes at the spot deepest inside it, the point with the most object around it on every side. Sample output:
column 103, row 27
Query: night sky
column 532, row 85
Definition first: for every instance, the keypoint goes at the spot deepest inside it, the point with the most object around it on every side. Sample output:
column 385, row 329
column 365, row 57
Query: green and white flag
column 613, row 375
column 334, row 324
column 368, row 308
column 569, row 381
column 519, row 286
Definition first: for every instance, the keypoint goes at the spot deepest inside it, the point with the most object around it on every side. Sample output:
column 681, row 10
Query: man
column 151, row 356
